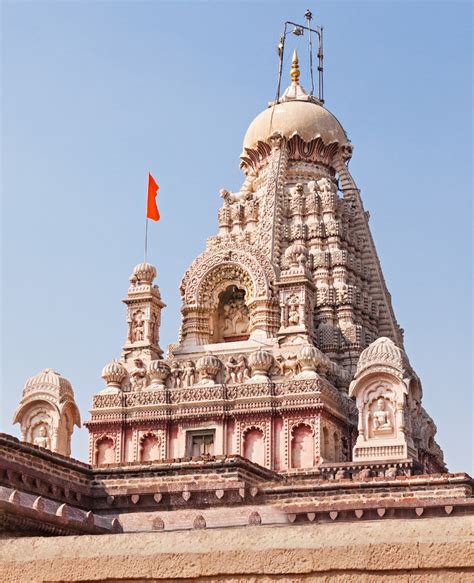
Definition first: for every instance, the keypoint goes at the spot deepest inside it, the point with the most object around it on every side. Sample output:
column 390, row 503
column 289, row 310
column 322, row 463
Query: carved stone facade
column 289, row 352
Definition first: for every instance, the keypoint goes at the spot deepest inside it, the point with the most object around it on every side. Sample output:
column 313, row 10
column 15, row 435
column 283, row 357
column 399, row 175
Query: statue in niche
column 154, row 329
column 138, row 326
column 138, row 375
column 237, row 369
column 233, row 315
column 42, row 438
column 381, row 417
column 189, row 374
column 293, row 315
column 175, row 375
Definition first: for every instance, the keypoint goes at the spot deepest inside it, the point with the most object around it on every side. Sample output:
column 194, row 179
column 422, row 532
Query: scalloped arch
column 254, row 268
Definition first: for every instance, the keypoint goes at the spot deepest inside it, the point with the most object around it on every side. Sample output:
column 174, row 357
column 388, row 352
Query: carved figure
column 176, row 372
column 381, row 417
column 237, row 369
column 189, row 374
column 138, row 326
column 235, row 315
column 42, row 439
column 293, row 315
column 231, row 370
column 138, row 375
column 289, row 365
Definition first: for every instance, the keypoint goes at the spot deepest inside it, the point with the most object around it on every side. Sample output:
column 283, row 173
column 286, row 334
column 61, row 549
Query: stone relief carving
column 138, row 375
column 41, row 436
column 138, row 326
column 237, row 369
column 189, row 373
column 176, row 375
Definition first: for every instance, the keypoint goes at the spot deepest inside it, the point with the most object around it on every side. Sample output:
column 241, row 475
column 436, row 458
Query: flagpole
column 146, row 236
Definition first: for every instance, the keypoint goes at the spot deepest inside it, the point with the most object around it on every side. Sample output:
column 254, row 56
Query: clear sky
column 95, row 94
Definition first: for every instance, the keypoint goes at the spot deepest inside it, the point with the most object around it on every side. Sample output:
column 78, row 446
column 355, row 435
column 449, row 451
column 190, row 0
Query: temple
column 289, row 353
column 288, row 396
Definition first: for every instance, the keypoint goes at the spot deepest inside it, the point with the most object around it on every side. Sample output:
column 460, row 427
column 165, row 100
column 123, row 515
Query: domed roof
column 48, row 380
column 306, row 118
column 383, row 352
column 295, row 113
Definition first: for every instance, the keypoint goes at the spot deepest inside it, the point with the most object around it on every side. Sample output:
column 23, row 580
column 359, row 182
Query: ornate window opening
column 231, row 320
column 200, row 443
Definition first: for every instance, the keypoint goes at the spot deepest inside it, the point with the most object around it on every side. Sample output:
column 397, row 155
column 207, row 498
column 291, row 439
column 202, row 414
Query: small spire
column 295, row 69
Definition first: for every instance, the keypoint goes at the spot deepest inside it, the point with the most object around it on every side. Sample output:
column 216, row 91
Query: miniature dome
column 383, row 352
column 296, row 254
column 114, row 372
column 144, row 273
column 48, row 380
column 295, row 113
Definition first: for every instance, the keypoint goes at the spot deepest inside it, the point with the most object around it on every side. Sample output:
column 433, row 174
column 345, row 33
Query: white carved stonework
column 382, row 391
column 47, row 412
column 284, row 308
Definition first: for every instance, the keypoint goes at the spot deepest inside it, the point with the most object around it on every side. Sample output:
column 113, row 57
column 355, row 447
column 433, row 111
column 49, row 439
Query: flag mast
column 152, row 211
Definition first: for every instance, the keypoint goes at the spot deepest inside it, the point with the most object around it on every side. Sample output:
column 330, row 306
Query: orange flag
column 152, row 211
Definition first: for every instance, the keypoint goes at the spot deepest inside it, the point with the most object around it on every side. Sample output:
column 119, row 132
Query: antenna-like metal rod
column 320, row 66
column 309, row 18
column 281, row 51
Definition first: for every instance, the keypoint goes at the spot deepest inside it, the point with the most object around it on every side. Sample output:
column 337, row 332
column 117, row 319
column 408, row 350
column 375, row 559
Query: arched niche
column 325, row 447
column 105, row 450
column 254, row 445
column 302, row 447
column 230, row 319
column 149, row 448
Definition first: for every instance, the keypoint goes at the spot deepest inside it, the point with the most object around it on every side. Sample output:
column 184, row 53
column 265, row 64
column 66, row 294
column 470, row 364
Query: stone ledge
column 403, row 550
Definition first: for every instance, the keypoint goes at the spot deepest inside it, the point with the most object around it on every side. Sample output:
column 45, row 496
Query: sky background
column 96, row 94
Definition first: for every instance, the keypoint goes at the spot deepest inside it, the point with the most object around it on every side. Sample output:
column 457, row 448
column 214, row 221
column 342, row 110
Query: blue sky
column 96, row 94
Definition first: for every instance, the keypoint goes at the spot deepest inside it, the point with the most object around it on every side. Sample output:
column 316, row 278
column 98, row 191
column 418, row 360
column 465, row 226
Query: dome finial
column 295, row 69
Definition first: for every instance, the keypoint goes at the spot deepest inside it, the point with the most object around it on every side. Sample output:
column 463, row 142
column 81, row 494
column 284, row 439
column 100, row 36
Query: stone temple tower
column 289, row 352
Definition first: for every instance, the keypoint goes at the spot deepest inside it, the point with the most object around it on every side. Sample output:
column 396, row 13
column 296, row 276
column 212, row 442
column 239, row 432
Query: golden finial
column 295, row 68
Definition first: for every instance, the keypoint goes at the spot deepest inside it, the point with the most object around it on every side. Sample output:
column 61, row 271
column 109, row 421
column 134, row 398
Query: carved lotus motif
column 208, row 366
column 310, row 358
column 144, row 273
column 158, row 371
column 296, row 255
column 260, row 363
column 113, row 374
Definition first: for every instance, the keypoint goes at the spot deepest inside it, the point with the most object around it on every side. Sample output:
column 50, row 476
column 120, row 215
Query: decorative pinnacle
column 295, row 68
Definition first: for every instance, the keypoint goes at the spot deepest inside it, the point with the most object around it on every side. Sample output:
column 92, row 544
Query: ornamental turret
column 47, row 412
column 144, row 307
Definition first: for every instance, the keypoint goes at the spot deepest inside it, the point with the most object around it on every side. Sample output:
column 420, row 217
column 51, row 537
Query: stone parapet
column 403, row 550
